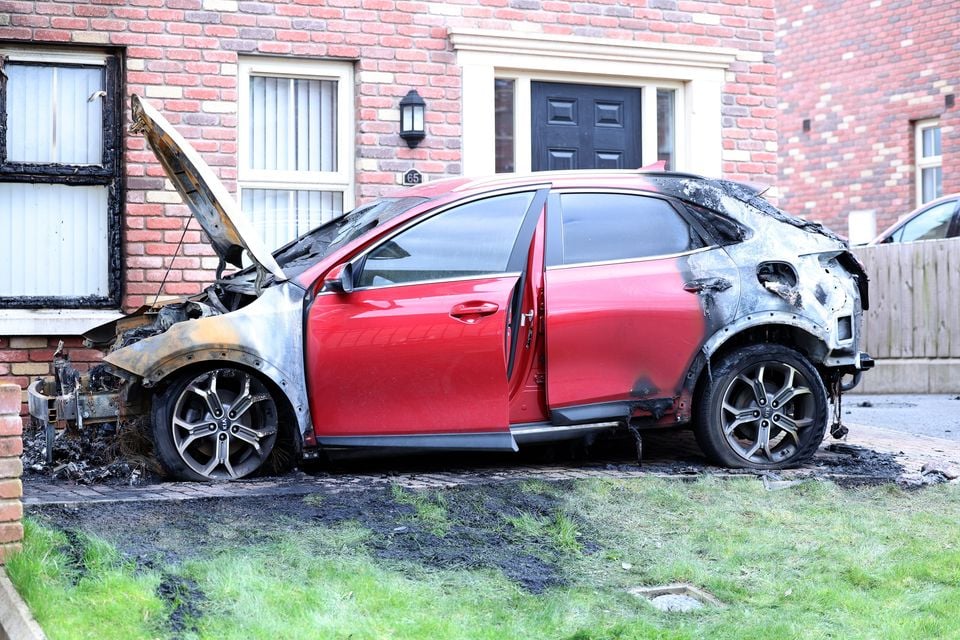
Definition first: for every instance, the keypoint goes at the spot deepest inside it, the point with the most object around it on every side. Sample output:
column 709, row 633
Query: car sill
column 483, row 441
column 545, row 432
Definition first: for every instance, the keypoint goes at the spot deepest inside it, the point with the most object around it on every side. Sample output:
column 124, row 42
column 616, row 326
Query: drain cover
column 676, row 598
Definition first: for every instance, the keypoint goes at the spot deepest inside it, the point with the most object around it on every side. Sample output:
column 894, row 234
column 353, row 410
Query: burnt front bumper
column 76, row 409
column 79, row 407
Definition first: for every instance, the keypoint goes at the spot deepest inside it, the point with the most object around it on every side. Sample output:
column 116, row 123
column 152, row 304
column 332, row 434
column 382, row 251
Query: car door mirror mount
column 339, row 279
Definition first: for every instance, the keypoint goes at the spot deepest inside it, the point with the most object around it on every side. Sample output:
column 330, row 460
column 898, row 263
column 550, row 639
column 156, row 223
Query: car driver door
column 418, row 350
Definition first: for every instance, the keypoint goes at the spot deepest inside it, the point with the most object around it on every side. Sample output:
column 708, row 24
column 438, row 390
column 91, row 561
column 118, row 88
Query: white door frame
column 698, row 73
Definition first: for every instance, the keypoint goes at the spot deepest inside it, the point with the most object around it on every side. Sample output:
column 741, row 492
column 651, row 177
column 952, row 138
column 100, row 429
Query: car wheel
column 763, row 407
column 215, row 425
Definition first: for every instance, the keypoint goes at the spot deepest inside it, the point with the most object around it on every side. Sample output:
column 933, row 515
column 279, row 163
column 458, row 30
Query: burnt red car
column 485, row 314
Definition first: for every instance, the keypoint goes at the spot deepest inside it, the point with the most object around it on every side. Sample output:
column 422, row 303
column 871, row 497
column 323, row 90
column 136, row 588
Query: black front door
column 578, row 126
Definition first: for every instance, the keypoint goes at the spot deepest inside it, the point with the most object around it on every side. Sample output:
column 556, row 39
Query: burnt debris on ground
column 98, row 454
column 185, row 600
column 103, row 454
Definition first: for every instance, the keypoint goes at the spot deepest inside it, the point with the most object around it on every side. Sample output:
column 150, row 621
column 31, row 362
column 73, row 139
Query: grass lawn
column 809, row 561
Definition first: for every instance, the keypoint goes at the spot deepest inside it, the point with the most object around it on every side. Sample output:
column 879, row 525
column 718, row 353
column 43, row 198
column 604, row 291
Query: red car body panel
column 416, row 358
column 625, row 330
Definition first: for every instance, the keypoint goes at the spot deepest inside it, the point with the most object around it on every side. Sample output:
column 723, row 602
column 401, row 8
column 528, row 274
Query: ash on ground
column 480, row 528
column 104, row 454
column 98, row 454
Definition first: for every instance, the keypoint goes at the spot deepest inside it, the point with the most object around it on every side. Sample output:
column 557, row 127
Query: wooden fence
column 913, row 325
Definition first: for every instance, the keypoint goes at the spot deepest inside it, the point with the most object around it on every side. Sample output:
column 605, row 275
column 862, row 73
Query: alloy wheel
column 764, row 411
column 224, row 424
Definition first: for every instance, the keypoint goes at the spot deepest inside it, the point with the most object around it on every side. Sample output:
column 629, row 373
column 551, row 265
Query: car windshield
column 299, row 254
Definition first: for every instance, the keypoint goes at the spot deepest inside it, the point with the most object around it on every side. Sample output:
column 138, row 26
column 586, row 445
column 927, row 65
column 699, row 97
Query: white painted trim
column 510, row 44
column 923, row 162
column 648, row 125
column 697, row 73
column 53, row 322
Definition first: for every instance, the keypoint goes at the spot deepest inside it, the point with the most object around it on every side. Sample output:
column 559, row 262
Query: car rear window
column 599, row 227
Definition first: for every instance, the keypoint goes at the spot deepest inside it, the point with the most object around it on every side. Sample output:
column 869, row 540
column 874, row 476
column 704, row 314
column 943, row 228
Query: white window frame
column 698, row 74
column 341, row 180
column 921, row 162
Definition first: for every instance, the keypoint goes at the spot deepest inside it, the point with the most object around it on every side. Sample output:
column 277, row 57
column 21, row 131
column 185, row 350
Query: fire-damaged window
column 60, row 177
column 296, row 145
column 601, row 227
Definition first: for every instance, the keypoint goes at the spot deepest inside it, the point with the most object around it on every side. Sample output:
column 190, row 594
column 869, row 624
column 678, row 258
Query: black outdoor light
column 412, row 109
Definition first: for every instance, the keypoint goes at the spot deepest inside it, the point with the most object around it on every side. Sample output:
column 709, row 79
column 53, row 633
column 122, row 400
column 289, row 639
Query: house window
column 503, row 125
column 666, row 128
column 929, row 161
column 59, row 179
column 296, row 145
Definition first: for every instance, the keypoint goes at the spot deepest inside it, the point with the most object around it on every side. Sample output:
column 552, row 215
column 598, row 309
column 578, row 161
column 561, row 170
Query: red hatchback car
column 483, row 314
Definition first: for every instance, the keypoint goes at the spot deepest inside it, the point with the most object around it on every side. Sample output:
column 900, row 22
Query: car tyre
column 219, row 424
column 762, row 407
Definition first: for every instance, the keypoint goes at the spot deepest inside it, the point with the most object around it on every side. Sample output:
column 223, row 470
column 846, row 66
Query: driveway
column 927, row 415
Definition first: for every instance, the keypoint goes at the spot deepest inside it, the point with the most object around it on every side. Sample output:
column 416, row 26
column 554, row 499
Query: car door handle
column 470, row 311
column 707, row 284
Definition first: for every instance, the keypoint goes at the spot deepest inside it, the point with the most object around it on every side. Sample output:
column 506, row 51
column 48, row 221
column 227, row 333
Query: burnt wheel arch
column 700, row 370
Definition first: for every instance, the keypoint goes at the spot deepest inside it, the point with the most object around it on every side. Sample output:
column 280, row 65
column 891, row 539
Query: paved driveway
column 928, row 415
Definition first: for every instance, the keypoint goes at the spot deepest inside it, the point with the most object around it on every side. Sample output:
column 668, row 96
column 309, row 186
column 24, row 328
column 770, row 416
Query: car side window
column 599, row 227
column 472, row 239
column 932, row 224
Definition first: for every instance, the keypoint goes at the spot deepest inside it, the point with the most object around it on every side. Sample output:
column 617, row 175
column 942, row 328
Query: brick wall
column 11, row 446
column 24, row 358
column 862, row 71
column 183, row 56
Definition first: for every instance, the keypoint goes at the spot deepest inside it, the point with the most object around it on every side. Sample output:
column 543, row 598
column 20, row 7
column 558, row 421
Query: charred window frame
column 106, row 173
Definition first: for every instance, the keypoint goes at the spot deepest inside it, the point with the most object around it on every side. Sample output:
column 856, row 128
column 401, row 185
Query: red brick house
column 295, row 104
column 868, row 118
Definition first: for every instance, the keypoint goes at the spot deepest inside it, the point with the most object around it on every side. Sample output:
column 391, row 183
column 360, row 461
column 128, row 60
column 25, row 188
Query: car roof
column 579, row 178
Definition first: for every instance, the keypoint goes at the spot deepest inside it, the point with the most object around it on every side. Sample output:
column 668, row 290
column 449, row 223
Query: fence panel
column 914, row 289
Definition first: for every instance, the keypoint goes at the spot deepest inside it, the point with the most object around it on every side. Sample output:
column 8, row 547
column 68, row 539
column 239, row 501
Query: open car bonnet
column 229, row 231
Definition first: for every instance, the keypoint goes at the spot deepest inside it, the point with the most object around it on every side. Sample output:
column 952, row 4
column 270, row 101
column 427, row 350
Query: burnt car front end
column 220, row 375
column 247, row 324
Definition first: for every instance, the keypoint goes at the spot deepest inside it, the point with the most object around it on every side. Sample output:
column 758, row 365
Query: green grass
column 430, row 508
column 96, row 595
column 811, row 561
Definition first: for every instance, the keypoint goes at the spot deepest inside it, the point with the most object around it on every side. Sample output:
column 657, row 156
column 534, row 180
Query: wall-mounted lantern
column 412, row 109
